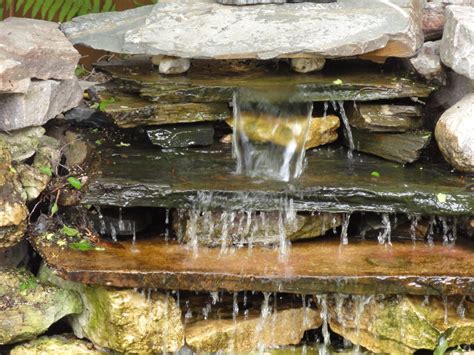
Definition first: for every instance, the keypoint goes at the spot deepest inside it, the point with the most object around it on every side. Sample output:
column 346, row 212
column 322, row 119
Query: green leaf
column 27, row 7
column 19, row 4
column 122, row 144
column 338, row 82
column 54, row 9
column 28, row 284
column 107, row 5
column 96, row 6
column 54, row 209
column 375, row 174
column 83, row 245
column 74, row 10
column 104, row 103
column 99, row 142
column 68, row 4
column 12, row 170
column 46, row 170
column 86, row 7
column 69, row 231
column 46, row 6
column 442, row 346
column 441, row 197
column 74, row 182
column 36, row 8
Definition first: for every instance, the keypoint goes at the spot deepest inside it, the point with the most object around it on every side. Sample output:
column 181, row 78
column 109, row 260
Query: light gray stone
column 170, row 65
column 457, row 45
column 33, row 49
column 428, row 63
column 307, row 65
column 455, row 134
column 23, row 142
column 43, row 101
column 205, row 29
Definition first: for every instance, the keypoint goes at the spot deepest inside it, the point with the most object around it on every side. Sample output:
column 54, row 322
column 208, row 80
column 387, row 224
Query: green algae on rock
column 56, row 344
column 28, row 308
column 403, row 324
column 123, row 319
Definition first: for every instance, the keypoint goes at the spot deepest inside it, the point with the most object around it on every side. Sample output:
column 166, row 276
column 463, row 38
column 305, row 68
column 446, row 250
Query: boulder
column 455, row 134
column 457, row 45
column 43, row 101
column 33, row 49
column 427, row 63
column 434, row 19
column 56, row 344
column 29, row 308
column 13, row 211
column 266, row 228
column 245, row 334
column 205, row 29
column 23, row 143
column 403, row 324
column 124, row 320
column 182, row 135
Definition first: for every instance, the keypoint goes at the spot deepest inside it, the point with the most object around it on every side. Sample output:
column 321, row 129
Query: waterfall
column 270, row 132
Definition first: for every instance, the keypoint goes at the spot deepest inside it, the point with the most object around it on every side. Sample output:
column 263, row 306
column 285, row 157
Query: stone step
column 339, row 82
column 205, row 178
column 322, row 266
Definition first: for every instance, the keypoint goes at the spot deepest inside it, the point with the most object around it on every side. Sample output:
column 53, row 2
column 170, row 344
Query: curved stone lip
column 205, row 29
column 361, row 267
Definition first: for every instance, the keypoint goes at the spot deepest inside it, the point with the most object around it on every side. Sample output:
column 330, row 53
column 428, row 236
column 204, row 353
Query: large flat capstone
column 208, row 30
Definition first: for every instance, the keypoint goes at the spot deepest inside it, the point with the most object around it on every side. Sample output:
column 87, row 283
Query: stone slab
column 207, row 30
column 323, row 266
column 33, row 49
column 331, row 182
column 341, row 81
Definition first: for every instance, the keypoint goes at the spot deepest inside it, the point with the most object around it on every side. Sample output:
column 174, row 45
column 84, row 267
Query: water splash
column 348, row 129
column 270, row 132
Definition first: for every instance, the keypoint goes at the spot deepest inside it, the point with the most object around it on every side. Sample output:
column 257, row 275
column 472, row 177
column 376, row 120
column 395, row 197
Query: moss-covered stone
column 28, row 308
column 57, row 344
column 124, row 320
column 13, row 211
column 403, row 324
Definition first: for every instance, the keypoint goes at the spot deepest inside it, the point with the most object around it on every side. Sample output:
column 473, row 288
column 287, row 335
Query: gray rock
column 22, row 143
column 307, row 65
column 207, row 30
column 457, row 45
column 182, row 135
column 43, row 101
column 455, row 134
column 434, row 19
column 33, row 49
column 15, row 256
column 170, row 65
column 427, row 63
column 29, row 308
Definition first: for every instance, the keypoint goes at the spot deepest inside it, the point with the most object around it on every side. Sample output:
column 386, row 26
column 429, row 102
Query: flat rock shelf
column 323, row 266
column 205, row 178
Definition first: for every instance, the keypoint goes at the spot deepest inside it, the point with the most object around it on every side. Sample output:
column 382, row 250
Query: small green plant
column 46, row 170
column 69, row 231
column 83, row 245
column 28, row 284
column 74, row 182
column 375, row 174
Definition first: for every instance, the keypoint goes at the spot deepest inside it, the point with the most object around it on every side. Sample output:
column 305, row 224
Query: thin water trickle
column 385, row 237
column 270, row 132
column 414, row 224
column 344, row 230
column 323, row 304
column 265, row 312
column 348, row 129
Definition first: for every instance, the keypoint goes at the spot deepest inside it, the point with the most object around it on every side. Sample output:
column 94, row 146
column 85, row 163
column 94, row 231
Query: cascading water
column 270, row 132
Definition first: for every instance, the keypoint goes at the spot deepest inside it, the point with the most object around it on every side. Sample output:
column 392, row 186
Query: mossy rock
column 57, row 344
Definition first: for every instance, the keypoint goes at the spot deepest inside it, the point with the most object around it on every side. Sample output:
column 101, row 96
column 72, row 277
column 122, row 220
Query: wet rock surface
column 13, row 211
column 330, row 183
column 282, row 327
column 33, row 49
column 56, row 344
column 43, row 100
column 227, row 228
column 183, row 29
column 455, row 134
column 457, row 45
column 182, row 136
column 124, row 320
column 29, row 308
column 398, row 147
column 402, row 324
column 385, row 118
column 427, row 63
